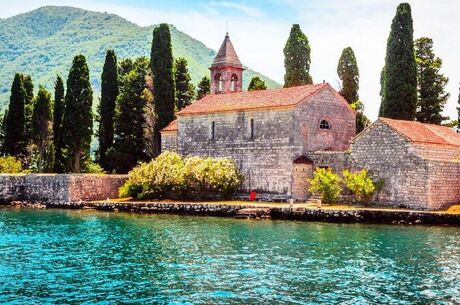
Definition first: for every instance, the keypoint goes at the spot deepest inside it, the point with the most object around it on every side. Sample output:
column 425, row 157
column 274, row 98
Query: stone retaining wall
column 59, row 187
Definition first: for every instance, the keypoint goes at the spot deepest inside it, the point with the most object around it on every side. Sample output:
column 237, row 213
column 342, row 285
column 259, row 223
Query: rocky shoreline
column 378, row 216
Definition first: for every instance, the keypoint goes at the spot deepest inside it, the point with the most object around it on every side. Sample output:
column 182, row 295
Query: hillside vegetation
column 43, row 42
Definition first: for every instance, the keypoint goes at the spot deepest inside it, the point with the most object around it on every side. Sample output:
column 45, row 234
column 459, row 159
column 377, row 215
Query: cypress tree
column 382, row 90
column 348, row 72
column 431, row 83
column 185, row 91
column 161, row 61
column 2, row 129
column 129, row 140
column 28, row 105
column 297, row 59
column 57, row 124
column 42, row 130
column 400, row 91
column 109, row 93
column 77, row 122
column 15, row 143
column 257, row 84
column 204, row 87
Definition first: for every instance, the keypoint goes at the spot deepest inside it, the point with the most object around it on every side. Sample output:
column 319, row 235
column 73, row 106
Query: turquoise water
column 87, row 257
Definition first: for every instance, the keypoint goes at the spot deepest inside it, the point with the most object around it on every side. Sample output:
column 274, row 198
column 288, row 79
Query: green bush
column 10, row 165
column 172, row 177
column 360, row 184
column 90, row 167
column 326, row 184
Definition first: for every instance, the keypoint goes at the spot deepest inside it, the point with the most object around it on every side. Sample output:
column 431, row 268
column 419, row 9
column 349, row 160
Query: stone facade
column 169, row 141
column 62, row 187
column 265, row 152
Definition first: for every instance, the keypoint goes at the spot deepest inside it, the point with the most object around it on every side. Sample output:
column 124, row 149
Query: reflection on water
column 87, row 257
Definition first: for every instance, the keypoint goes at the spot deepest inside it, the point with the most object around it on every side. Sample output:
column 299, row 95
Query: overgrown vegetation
column 10, row 165
column 329, row 185
column 170, row 176
column 326, row 184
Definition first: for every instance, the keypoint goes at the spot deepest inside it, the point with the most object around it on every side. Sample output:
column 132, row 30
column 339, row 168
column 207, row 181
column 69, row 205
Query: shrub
column 326, row 184
column 91, row 167
column 360, row 184
column 211, row 177
column 10, row 165
column 170, row 176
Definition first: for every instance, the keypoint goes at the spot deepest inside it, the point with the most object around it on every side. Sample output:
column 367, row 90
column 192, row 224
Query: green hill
column 43, row 42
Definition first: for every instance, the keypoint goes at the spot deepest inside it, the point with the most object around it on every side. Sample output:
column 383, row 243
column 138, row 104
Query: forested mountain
column 43, row 42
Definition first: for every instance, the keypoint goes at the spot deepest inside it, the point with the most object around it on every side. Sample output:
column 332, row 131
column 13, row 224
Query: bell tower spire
column 226, row 70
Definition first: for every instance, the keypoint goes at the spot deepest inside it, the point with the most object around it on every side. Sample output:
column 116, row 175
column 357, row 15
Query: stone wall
column 168, row 141
column 265, row 160
column 389, row 156
column 443, row 183
column 325, row 105
column 63, row 187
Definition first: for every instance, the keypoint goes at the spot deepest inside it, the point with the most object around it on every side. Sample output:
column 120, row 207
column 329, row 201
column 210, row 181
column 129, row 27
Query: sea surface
column 88, row 257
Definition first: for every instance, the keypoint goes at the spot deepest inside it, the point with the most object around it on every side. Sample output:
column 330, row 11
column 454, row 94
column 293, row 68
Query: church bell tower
column 226, row 70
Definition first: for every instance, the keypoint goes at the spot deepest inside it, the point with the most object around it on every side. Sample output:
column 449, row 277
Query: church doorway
column 302, row 172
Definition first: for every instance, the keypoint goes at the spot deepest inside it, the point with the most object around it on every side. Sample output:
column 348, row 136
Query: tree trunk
column 76, row 161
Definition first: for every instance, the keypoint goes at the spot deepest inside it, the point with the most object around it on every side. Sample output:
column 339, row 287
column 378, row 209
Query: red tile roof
column 424, row 133
column 171, row 126
column 259, row 99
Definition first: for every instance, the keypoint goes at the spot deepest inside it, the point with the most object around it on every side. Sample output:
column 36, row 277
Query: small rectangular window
column 213, row 131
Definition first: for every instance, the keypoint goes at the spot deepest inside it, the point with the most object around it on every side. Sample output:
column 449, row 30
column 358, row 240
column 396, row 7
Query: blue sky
column 259, row 30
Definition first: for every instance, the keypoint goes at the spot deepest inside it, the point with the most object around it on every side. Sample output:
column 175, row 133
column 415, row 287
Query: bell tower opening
column 226, row 70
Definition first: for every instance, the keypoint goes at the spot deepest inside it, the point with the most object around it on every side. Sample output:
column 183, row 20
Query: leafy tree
column 109, row 93
column 42, row 130
column 360, row 184
column 326, row 184
column 161, row 61
column 257, row 84
column 185, row 91
column 204, row 87
column 58, row 112
column 348, row 72
column 129, row 142
column 28, row 104
column 15, row 143
column 431, row 83
column 297, row 59
column 400, row 90
column 77, row 123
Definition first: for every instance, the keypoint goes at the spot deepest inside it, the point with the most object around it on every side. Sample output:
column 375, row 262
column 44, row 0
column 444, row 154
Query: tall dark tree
column 77, row 122
column 432, row 83
column 42, row 131
column 161, row 62
column 15, row 143
column 2, row 129
column 28, row 105
column 348, row 72
column 204, row 87
column 185, row 91
column 297, row 59
column 400, row 91
column 129, row 140
column 256, row 84
column 58, row 112
column 382, row 90
column 109, row 93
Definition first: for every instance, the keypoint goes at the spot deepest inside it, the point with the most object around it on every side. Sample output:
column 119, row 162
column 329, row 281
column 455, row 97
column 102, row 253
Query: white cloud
column 330, row 25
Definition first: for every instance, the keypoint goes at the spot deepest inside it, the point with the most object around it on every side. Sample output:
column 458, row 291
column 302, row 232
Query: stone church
column 278, row 136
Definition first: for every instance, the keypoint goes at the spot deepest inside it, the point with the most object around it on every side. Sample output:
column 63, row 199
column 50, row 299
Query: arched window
column 233, row 83
column 213, row 130
column 251, row 126
column 324, row 125
column 219, row 81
